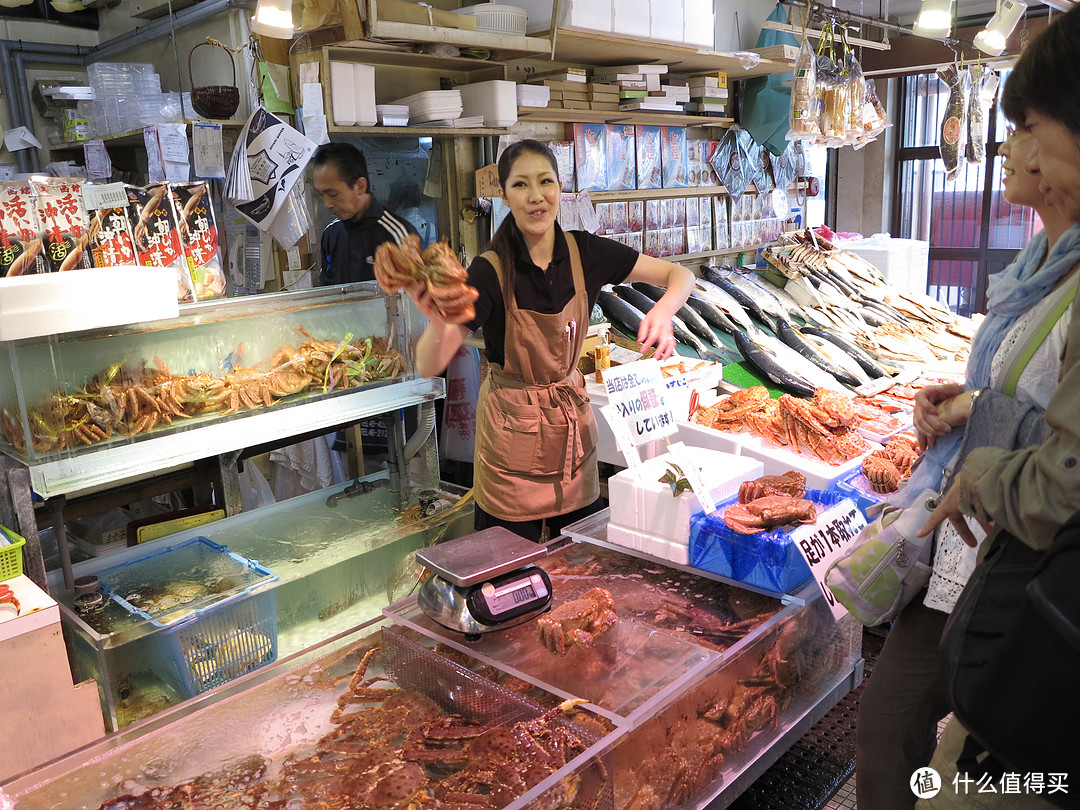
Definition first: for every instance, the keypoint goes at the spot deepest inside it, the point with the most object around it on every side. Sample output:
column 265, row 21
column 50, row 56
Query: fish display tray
column 210, row 639
column 11, row 554
column 766, row 560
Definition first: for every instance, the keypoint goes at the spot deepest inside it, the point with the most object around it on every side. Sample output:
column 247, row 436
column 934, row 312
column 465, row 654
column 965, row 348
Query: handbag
column 215, row 100
column 1010, row 653
column 887, row 564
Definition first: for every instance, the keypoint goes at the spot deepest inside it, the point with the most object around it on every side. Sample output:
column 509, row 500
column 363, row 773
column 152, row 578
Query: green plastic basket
column 11, row 555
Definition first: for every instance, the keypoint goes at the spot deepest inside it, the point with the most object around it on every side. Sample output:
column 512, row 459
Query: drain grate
column 808, row 774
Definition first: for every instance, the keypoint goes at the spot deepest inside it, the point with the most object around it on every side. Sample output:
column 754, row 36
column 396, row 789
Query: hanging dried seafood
column 953, row 125
column 984, row 84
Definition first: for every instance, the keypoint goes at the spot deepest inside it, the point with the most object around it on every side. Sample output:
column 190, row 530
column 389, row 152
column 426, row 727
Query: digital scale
column 484, row 582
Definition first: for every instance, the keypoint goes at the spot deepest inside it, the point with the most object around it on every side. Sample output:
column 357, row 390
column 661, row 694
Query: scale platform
column 480, row 556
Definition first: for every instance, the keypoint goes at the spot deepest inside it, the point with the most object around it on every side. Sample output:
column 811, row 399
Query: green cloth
column 766, row 102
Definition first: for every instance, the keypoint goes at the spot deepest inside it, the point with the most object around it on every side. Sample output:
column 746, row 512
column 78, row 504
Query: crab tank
column 336, row 565
column 68, row 396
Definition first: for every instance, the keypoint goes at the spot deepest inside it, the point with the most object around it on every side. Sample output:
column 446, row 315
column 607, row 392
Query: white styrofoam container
column 698, row 23
column 342, row 95
column 590, row 15
column 904, row 262
column 51, row 303
column 630, row 18
column 666, row 21
column 778, row 460
column 650, row 544
column 496, row 100
column 641, row 502
column 695, row 435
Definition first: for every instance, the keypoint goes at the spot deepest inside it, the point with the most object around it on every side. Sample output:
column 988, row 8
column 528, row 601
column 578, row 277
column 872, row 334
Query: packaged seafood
column 805, row 108
column 64, row 223
column 198, row 230
column 111, row 241
column 152, row 214
column 984, row 84
column 20, row 233
column 953, row 125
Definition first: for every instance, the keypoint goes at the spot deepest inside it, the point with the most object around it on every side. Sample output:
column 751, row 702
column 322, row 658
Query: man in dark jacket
column 347, row 250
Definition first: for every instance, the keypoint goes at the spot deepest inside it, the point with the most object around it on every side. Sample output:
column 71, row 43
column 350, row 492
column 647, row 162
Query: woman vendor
column 535, row 461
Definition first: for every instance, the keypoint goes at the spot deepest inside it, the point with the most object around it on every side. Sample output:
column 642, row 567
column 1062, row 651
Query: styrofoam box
column 591, row 15
column 698, row 23
column 695, row 435
column 649, row 544
column 666, row 21
column 631, row 18
column 641, row 502
column 51, row 303
column 903, row 262
column 496, row 100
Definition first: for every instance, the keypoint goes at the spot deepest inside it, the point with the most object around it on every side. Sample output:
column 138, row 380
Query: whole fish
column 621, row 312
column 797, row 364
column 792, row 306
column 724, row 302
column 862, row 357
column 766, row 301
column 643, row 304
column 687, row 314
column 797, row 341
column 712, row 314
column 765, row 362
column 744, row 298
column 839, row 357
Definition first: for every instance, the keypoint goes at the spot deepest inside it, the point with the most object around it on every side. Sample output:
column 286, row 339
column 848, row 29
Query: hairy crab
column 769, row 512
column 578, row 621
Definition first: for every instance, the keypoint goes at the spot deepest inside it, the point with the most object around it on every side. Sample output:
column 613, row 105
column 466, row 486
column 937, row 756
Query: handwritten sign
column 823, row 541
column 637, row 410
column 680, row 389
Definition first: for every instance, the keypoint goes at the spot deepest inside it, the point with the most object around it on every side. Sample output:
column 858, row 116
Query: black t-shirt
column 347, row 249
column 603, row 262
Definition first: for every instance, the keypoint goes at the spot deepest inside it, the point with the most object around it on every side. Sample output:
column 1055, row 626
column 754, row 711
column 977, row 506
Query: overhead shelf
column 606, row 49
column 559, row 115
column 501, row 46
column 419, row 131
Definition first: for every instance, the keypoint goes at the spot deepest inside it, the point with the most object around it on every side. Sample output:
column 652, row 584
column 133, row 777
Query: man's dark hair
column 1047, row 75
column 346, row 158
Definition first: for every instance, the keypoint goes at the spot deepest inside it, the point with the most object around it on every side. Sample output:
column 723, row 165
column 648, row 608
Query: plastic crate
column 496, row 18
column 767, row 560
column 11, row 554
column 215, row 637
column 856, row 487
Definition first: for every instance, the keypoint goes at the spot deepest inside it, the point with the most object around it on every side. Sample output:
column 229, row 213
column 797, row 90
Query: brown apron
column 535, row 432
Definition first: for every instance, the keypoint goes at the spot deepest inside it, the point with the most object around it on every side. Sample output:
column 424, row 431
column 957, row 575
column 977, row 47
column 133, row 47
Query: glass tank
column 336, row 560
column 222, row 375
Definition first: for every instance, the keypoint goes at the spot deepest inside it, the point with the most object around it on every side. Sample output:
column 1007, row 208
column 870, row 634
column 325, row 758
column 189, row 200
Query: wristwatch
column 974, row 396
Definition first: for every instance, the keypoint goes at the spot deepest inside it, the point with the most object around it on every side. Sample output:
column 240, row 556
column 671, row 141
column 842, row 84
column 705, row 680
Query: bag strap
column 1036, row 337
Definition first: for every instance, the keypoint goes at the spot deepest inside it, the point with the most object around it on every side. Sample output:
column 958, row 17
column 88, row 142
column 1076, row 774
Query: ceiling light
column 935, row 19
column 991, row 40
column 273, row 18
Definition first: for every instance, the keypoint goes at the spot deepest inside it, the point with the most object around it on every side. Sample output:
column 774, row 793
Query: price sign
column 823, row 541
column 637, row 412
column 680, row 389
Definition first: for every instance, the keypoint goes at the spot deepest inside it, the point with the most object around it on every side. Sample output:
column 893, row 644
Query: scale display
column 506, row 597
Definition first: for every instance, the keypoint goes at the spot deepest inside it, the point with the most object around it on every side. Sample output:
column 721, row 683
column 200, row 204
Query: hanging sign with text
column 826, row 539
column 637, row 409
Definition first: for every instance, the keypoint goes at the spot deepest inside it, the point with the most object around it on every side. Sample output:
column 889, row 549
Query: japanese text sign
column 637, row 410
column 825, row 540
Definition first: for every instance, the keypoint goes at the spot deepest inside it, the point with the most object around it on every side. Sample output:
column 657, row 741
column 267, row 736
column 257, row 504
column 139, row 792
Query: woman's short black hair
column 1046, row 77
column 346, row 158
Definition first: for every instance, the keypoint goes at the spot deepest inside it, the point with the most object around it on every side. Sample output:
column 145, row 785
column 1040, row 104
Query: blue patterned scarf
column 1010, row 293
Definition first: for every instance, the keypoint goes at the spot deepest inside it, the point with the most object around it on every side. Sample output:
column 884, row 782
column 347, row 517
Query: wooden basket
column 216, row 100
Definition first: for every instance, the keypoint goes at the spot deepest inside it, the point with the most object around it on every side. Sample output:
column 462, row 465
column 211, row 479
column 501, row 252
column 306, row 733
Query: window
column 972, row 231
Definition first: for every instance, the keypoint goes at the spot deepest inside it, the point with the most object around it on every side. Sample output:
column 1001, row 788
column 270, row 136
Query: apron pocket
column 530, row 442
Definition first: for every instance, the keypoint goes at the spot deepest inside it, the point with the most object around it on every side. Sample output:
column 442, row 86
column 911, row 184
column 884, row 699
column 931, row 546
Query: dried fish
column 953, row 130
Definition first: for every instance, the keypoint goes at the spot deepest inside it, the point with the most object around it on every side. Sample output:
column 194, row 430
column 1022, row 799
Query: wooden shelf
column 656, row 193
column 419, row 131
column 605, row 49
column 374, row 54
column 559, row 115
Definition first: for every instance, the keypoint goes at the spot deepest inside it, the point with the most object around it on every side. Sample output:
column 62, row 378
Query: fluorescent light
column 273, row 18
column 991, row 40
column 935, row 19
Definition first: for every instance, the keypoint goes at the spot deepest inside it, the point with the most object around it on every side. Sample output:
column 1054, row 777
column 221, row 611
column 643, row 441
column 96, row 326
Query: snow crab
column 403, row 266
column 577, row 622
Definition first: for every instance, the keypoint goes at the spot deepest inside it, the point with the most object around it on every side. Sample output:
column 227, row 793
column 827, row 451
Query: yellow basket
column 11, row 555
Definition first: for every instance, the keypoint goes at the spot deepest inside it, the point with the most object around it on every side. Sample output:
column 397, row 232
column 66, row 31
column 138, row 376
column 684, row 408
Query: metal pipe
column 25, row 102
column 163, row 26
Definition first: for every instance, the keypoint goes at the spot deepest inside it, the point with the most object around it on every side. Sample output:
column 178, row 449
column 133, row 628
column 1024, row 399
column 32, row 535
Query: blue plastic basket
column 856, row 487
column 767, row 560
column 217, row 638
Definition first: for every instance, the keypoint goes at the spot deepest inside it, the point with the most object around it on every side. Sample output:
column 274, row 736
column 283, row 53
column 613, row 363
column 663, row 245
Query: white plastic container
column 630, row 18
column 50, row 303
column 342, row 94
column 497, row 18
column 364, row 95
column 588, row 15
column 496, row 100
column 666, row 21
column 698, row 23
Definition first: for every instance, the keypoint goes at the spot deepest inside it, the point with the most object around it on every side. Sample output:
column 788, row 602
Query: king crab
column 578, row 621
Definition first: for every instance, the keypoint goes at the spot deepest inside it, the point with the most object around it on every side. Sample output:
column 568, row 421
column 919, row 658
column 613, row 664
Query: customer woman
column 1012, row 371
column 535, row 461
column 1029, row 492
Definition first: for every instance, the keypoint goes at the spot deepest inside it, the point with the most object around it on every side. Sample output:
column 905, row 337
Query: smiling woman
column 535, row 461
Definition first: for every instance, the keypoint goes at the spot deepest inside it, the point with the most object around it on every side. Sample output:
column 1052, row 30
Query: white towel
column 310, row 460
